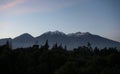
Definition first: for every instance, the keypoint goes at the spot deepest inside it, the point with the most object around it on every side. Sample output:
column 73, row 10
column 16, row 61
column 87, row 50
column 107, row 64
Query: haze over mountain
column 72, row 40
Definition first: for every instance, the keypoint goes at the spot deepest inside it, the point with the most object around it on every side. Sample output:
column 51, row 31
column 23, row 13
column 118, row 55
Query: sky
column 101, row 17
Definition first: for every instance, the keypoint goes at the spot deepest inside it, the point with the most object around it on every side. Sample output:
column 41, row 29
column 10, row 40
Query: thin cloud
column 10, row 4
column 36, row 6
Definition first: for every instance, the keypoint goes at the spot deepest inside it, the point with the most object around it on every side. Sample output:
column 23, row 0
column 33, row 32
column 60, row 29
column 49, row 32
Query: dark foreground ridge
column 58, row 60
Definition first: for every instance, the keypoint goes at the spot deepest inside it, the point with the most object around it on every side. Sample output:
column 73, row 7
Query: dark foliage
column 57, row 60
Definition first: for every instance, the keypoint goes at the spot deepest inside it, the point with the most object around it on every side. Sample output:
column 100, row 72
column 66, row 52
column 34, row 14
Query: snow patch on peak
column 86, row 33
column 55, row 33
column 77, row 34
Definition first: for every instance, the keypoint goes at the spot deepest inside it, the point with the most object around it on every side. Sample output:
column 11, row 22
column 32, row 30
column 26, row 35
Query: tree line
column 58, row 60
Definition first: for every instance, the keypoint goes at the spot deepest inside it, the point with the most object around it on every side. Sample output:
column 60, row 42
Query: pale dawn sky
column 101, row 17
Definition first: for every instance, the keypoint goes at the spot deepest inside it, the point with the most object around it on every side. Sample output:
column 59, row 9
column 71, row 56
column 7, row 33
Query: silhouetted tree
column 60, row 47
column 65, row 47
column 55, row 46
column 36, row 45
column 8, row 45
column 45, row 46
column 89, row 46
column 96, row 51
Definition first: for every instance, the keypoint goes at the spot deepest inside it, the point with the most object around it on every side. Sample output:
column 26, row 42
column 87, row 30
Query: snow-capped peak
column 77, row 34
column 55, row 33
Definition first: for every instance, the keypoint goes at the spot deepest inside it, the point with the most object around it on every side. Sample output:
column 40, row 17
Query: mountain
column 24, row 40
column 3, row 41
column 71, row 40
column 95, row 40
column 52, row 37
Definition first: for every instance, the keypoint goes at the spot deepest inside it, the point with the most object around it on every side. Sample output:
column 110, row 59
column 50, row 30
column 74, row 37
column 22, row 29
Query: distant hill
column 71, row 40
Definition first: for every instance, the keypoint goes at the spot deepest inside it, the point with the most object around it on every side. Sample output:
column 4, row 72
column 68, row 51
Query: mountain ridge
column 71, row 40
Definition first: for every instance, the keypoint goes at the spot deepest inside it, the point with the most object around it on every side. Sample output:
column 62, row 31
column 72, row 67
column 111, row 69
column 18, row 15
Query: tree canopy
column 58, row 60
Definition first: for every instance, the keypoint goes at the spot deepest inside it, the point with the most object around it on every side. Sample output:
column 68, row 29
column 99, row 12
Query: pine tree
column 55, row 46
column 46, row 45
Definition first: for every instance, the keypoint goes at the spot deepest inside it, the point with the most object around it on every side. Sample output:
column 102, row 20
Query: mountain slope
column 3, row 41
column 24, row 40
column 96, row 40
column 52, row 37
